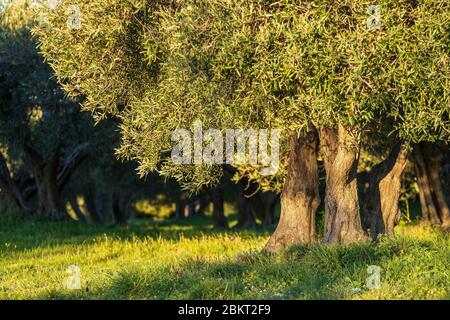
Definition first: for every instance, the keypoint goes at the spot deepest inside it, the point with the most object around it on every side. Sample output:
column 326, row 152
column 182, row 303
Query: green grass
column 188, row 260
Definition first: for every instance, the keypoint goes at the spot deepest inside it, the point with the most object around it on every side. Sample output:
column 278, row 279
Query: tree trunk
column 220, row 221
column 65, row 172
column 204, row 201
column 342, row 219
column 269, row 200
column 246, row 218
column 91, row 205
column 71, row 163
column 50, row 203
column 9, row 187
column 119, row 205
column 180, row 208
column 192, row 203
column 300, row 195
column 245, row 213
column 434, row 206
column 381, row 212
column 46, row 177
column 6, row 202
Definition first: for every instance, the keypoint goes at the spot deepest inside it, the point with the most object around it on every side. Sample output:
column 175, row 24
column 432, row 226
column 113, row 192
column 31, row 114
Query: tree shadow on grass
column 31, row 234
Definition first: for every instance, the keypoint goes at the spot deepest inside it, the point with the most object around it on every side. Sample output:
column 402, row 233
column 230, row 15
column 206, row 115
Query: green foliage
column 101, row 60
column 190, row 261
column 269, row 64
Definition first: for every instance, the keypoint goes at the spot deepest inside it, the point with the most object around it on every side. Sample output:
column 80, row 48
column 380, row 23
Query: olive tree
column 41, row 131
column 318, row 70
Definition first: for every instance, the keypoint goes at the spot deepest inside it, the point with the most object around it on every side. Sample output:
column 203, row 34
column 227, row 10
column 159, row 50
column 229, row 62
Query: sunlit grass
column 188, row 260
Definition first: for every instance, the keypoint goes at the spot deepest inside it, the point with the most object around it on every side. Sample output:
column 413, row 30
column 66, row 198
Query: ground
column 189, row 260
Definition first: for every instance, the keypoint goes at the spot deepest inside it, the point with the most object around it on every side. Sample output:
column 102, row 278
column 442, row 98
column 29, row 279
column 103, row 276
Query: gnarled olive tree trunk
column 342, row 219
column 51, row 176
column 45, row 174
column 380, row 208
column 300, row 195
column 433, row 202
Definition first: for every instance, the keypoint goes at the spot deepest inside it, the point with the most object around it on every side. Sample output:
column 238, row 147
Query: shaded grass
column 189, row 260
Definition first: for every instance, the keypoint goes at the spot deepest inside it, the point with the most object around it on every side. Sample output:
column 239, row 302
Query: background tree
column 40, row 128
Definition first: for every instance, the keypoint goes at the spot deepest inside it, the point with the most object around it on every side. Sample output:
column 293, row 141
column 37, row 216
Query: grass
column 189, row 260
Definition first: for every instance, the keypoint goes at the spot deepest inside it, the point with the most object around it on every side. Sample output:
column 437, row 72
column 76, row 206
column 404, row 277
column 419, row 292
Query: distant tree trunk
column 192, row 203
column 102, row 202
column 220, row 221
column 263, row 203
column 342, row 219
column 76, row 208
column 9, row 187
column 65, row 171
column 269, row 200
column 71, row 163
column 435, row 209
column 300, row 195
column 6, row 202
column 119, row 205
column 180, row 208
column 380, row 208
column 245, row 213
column 47, row 177
column 49, row 198
column 203, row 201
column 91, row 205
column 246, row 218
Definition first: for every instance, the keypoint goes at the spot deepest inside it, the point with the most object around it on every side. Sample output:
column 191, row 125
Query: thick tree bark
column 220, row 221
column 342, row 219
column 300, row 195
column 433, row 202
column 9, row 187
column 380, row 208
